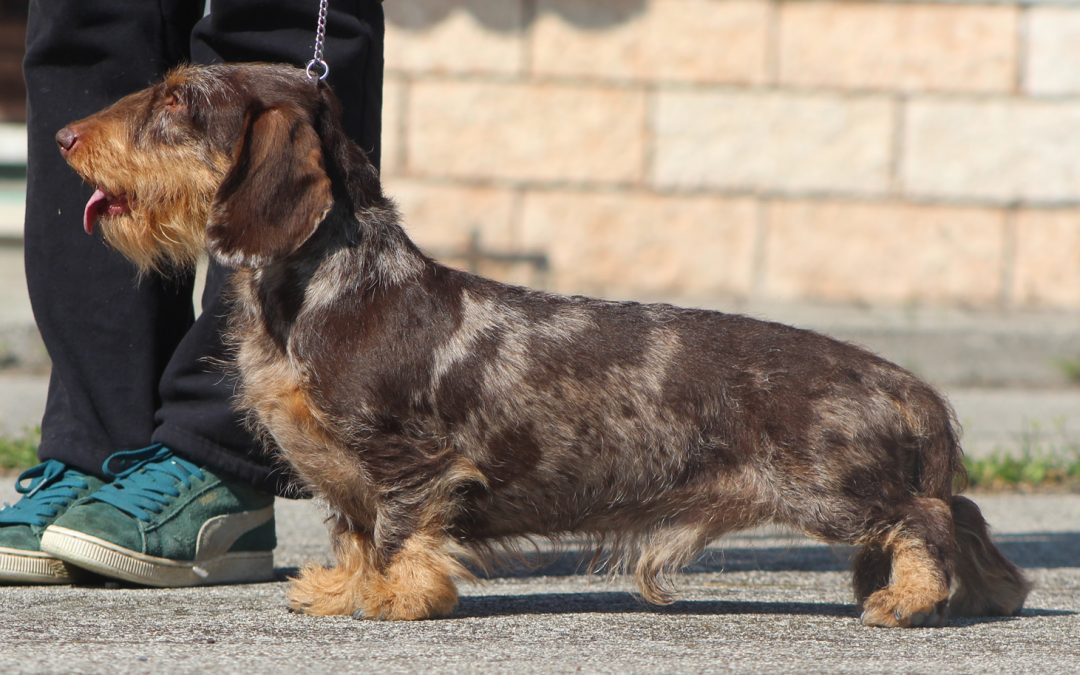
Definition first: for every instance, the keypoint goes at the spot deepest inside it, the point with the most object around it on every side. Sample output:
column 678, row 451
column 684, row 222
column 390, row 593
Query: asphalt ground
column 762, row 601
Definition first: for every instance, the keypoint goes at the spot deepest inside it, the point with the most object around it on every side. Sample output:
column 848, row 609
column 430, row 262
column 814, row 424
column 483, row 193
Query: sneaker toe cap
column 19, row 537
column 105, row 522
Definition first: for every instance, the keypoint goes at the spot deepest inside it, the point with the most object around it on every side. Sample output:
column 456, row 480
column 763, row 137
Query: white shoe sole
column 33, row 567
column 117, row 562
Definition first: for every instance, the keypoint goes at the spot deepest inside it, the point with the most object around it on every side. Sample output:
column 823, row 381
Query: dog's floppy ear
column 276, row 193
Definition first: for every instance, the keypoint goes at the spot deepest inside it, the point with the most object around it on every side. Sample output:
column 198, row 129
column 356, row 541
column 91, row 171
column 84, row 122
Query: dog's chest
column 274, row 389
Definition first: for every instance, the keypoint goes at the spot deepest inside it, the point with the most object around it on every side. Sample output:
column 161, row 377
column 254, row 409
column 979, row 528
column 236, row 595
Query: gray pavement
column 763, row 601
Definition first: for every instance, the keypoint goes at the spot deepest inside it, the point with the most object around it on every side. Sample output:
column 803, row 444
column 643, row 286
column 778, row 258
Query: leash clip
column 316, row 65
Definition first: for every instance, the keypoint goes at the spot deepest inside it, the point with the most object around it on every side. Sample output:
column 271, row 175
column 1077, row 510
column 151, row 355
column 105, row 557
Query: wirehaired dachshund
column 442, row 416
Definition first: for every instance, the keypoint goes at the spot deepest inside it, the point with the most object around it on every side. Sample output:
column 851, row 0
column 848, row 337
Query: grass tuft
column 1040, row 460
column 1070, row 368
column 20, row 452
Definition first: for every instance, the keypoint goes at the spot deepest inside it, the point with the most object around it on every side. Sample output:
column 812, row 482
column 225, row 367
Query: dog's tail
column 985, row 581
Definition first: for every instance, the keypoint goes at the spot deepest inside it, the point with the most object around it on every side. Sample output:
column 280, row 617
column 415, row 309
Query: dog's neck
column 370, row 238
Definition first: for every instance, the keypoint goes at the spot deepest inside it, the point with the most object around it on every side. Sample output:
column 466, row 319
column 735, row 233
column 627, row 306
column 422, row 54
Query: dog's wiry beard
column 165, row 230
column 157, row 236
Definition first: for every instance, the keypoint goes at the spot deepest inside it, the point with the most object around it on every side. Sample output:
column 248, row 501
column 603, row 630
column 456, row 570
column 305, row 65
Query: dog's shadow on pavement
column 618, row 602
column 1041, row 549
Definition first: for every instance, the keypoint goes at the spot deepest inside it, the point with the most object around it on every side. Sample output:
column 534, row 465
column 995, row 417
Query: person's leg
column 195, row 417
column 109, row 339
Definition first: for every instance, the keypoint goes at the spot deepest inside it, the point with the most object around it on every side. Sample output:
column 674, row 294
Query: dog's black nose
column 66, row 139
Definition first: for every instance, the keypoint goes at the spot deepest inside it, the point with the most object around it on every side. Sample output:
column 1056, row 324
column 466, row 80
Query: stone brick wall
column 876, row 151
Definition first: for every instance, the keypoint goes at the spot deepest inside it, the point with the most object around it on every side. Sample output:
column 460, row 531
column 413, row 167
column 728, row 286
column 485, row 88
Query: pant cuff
column 269, row 474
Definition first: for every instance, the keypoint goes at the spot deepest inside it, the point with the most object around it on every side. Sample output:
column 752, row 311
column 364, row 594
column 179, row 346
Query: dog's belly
column 727, row 503
column 553, row 484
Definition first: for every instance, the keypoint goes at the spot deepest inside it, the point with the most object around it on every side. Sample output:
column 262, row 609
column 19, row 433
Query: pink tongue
column 96, row 205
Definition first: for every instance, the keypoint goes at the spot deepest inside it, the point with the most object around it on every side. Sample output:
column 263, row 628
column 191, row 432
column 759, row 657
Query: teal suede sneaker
column 166, row 522
column 48, row 490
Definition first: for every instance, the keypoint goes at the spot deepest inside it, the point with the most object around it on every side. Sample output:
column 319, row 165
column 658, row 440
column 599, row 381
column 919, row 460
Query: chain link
column 317, row 68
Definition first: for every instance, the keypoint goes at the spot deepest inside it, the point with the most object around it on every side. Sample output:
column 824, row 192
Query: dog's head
column 244, row 160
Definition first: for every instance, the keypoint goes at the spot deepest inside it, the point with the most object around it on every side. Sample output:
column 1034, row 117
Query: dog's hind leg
column 921, row 552
column 904, row 568
column 984, row 581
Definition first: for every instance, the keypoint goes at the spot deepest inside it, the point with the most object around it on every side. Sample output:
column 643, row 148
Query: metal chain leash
column 317, row 64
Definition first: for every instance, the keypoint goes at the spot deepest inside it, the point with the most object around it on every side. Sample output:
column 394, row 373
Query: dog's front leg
column 398, row 579
column 338, row 589
column 416, row 583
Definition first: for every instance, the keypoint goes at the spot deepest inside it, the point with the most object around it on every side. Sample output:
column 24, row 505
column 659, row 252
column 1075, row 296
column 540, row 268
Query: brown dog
column 440, row 414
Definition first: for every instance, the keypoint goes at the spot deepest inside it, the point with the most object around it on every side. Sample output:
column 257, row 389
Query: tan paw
column 389, row 601
column 897, row 609
column 324, row 591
